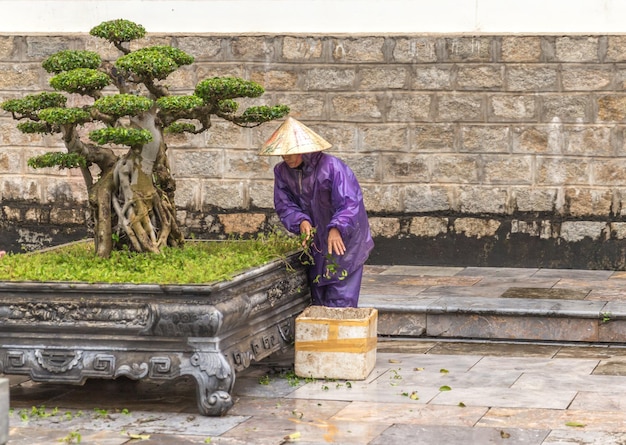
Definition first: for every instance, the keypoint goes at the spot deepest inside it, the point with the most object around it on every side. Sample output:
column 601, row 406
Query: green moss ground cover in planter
column 103, row 323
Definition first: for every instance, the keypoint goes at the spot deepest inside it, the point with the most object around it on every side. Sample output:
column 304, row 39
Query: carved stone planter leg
column 214, row 377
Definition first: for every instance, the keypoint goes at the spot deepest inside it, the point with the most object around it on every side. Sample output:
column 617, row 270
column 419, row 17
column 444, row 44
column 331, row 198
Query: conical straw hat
column 293, row 137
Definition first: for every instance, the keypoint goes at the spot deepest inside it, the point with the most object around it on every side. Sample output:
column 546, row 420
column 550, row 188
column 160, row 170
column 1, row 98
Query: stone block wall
column 484, row 150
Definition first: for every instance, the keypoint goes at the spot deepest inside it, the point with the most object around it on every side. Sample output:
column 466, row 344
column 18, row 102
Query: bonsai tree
column 132, row 195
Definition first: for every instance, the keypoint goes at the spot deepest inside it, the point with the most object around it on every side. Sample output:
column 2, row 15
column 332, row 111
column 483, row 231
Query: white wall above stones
column 320, row 16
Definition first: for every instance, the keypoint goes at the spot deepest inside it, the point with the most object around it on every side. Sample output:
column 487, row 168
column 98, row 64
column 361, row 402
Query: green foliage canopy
column 118, row 31
column 80, row 80
column 69, row 60
column 119, row 105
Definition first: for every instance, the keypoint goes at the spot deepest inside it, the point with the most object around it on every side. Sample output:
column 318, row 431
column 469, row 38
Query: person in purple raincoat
column 318, row 196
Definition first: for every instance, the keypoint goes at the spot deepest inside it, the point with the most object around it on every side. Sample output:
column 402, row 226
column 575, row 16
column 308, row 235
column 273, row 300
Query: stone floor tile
column 410, row 414
column 472, row 292
column 597, row 351
column 518, row 281
column 453, row 435
column 286, row 407
column 554, row 419
column 407, row 346
column 309, row 430
column 438, row 281
column 495, row 348
column 512, row 272
column 42, row 436
column 391, row 289
column 576, row 274
column 436, row 378
column 395, row 323
column 544, row 293
column 452, row 363
column 579, row 436
column 572, row 381
column 537, row 365
column 612, row 366
column 422, row 271
column 601, row 398
column 604, row 294
column 504, row 397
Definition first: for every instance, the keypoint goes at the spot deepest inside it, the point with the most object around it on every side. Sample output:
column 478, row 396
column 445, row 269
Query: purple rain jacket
column 324, row 191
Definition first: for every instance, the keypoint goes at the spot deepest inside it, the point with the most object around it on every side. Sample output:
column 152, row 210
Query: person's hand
column 305, row 229
column 335, row 242
column 2, row 253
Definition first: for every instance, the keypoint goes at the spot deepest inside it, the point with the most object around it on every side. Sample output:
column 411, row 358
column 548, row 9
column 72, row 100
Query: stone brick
column 225, row 135
column 8, row 49
column 585, row 201
column 197, row 164
column 384, row 138
column 573, row 231
column 40, row 47
column 608, row 172
column 565, row 108
column 344, row 137
column 181, row 79
column 534, row 199
column 189, row 194
column 587, row 79
column 201, row 47
column 67, row 216
column 618, row 230
column 426, row 198
column 247, row 164
column 359, row 49
column 355, row 107
column 480, row 199
column 366, row 167
column 468, row 49
column 302, row 48
column 415, row 50
column 382, row 198
column 224, row 195
column 206, row 71
column 612, row 108
column 512, row 108
column 404, row 167
column 276, row 80
column 521, row 49
column 434, row 138
column 304, row 106
column 507, row 169
column 577, row 49
column 484, row 139
column 588, row 141
column 428, row 226
column 485, row 77
column 531, row 78
column 460, row 107
column 252, row 48
column 536, row 139
column 455, row 169
column 330, row 79
column 11, row 160
column 383, row 78
column 432, row 77
column 20, row 188
column 261, row 194
column 384, row 227
column 562, row 171
column 616, row 48
column 409, row 107
column 242, row 223
column 476, row 227
column 21, row 76
column 62, row 190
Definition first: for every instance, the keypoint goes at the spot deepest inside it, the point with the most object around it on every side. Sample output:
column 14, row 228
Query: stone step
column 522, row 304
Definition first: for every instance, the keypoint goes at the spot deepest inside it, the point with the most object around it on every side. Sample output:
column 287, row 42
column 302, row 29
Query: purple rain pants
column 344, row 293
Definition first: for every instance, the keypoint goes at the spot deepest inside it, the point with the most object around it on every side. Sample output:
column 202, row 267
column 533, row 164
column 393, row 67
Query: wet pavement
column 440, row 390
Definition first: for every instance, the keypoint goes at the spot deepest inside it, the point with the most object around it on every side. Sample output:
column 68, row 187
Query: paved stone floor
column 422, row 391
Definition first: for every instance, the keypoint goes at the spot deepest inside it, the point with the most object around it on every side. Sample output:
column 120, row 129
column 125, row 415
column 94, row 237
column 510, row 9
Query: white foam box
column 336, row 343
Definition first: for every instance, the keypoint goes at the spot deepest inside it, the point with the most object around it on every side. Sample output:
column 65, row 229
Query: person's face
column 293, row 161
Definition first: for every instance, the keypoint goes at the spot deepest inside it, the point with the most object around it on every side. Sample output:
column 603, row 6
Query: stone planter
column 69, row 332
